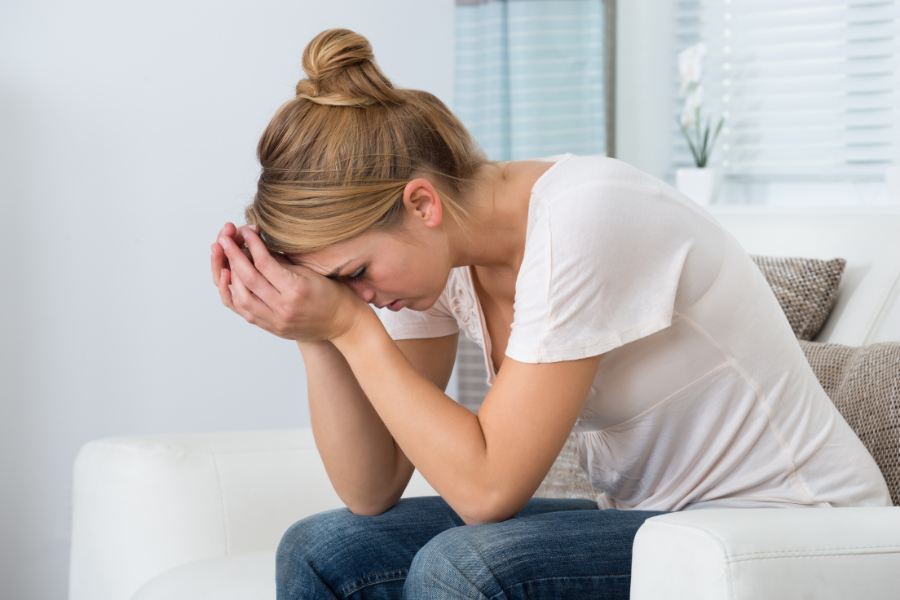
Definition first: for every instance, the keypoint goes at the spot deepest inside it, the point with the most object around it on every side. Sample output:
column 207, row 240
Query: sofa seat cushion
column 246, row 576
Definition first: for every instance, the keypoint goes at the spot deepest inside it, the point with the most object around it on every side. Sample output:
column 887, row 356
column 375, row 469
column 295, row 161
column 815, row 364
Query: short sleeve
column 603, row 263
column 406, row 324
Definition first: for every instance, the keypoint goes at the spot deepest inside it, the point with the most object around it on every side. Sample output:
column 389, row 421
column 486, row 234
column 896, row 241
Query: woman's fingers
column 218, row 260
column 273, row 269
column 227, row 292
column 250, row 307
column 222, row 282
column 247, row 302
column 238, row 280
column 243, row 269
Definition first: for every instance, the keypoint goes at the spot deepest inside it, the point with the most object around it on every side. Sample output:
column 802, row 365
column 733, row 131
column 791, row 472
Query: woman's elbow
column 490, row 509
column 371, row 507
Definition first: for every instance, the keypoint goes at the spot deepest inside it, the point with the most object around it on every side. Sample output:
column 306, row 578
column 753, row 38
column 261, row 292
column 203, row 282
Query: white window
column 810, row 92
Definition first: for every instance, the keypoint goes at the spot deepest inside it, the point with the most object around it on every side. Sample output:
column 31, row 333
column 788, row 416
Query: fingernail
column 255, row 228
column 245, row 233
column 223, row 241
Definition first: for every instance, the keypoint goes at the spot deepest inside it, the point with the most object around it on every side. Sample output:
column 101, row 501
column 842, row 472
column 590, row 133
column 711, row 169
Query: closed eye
column 357, row 277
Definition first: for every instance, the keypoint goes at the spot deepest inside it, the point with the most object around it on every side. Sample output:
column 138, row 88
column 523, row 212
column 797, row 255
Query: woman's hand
column 217, row 259
column 287, row 300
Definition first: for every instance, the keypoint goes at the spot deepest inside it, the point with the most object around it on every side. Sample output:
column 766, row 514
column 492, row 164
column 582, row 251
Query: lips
column 395, row 305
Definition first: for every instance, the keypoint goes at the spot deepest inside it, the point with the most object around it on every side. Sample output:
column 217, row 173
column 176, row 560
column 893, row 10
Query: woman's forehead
column 330, row 259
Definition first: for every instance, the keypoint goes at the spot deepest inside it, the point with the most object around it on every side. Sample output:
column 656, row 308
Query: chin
column 417, row 306
column 422, row 304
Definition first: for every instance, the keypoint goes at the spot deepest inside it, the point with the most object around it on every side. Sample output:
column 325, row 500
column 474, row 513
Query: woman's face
column 394, row 270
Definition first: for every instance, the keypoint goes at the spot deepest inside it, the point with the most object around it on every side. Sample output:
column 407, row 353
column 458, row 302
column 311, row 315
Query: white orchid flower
column 690, row 66
column 689, row 72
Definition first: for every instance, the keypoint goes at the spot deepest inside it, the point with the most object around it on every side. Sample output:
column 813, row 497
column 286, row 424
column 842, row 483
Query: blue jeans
column 421, row 550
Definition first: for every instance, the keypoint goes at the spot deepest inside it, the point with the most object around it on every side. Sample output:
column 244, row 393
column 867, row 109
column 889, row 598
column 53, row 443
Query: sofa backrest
column 867, row 309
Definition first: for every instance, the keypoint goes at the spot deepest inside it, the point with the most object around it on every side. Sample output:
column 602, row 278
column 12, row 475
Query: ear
column 422, row 202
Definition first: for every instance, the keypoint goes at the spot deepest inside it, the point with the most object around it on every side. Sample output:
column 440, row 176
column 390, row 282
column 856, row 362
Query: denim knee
column 307, row 548
column 450, row 566
column 312, row 535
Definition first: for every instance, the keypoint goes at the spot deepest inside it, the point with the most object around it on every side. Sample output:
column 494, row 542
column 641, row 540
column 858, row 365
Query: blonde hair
column 336, row 158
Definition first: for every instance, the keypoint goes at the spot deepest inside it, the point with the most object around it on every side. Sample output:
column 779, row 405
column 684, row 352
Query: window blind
column 531, row 76
column 809, row 89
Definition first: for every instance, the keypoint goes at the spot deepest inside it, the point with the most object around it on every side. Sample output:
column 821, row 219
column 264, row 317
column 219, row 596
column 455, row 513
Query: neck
column 492, row 237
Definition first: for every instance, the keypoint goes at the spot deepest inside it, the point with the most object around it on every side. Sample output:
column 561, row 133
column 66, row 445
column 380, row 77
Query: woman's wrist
column 316, row 348
column 362, row 327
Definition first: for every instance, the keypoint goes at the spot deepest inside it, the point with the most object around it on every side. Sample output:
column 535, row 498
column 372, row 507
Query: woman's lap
column 419, row 549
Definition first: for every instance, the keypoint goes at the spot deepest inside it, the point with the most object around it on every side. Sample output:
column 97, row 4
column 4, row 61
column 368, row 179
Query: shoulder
column 608, row 250
column 598, row 208
column 574, row 173
column 598, row 183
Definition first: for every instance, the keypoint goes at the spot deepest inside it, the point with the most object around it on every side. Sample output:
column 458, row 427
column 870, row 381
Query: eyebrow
column 335, row 273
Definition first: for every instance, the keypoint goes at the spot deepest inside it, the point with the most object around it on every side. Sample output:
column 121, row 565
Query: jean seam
column 361, row 582
column 502, row 595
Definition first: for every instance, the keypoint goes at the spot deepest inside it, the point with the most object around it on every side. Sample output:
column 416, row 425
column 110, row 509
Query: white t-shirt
column 703, row 397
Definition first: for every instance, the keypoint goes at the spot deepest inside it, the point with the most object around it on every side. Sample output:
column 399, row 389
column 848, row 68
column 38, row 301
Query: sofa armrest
column 817, row 553
column 145, row 504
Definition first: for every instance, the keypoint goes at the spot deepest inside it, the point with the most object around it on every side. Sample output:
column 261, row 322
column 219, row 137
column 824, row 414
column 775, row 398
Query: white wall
column 645, row 69
column 127, row 138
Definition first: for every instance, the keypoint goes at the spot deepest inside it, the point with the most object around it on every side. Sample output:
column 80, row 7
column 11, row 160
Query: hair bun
column 342, row 72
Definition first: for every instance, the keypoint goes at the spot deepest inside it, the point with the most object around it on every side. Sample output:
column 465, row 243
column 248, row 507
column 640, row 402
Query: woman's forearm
column 442, row 438
column 364, row 464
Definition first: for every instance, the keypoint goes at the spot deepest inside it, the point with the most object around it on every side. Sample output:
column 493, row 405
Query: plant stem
column 690, row 144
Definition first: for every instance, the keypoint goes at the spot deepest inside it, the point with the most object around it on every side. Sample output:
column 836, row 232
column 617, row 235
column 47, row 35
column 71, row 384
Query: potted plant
column 701, row 184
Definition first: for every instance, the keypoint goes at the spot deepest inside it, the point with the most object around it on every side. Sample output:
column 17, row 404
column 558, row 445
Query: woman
column 606, row 303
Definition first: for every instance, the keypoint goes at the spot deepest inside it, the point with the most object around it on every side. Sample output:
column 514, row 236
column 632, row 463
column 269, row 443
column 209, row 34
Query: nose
column 366, row 294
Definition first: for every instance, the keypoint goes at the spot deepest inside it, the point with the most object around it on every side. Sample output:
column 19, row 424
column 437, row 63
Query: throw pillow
column 806, row 289
column 566, row 478
column 864, row 384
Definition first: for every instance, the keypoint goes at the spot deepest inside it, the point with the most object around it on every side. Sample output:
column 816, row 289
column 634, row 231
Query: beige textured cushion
column 806, row 289
column 566, row 478
column 864, row 384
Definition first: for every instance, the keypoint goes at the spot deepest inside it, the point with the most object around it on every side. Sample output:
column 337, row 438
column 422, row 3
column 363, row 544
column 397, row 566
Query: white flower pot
column 700, row 185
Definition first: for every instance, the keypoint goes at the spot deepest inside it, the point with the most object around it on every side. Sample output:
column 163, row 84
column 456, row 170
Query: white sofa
column 190, row 517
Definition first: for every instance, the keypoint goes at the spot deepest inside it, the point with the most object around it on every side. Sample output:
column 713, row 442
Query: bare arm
column 486, row 466
column 367, row 468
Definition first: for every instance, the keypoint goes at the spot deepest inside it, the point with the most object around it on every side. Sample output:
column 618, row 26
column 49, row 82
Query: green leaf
column 688, row 139
column 699, row 137
column 704, row 154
